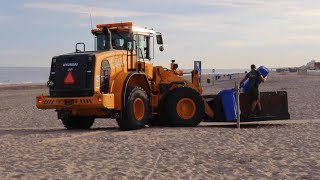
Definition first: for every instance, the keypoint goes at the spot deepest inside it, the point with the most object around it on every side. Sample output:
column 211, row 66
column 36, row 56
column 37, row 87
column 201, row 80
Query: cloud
column 232, row 44
column 305, row 38
column 232, row 3
column 209, row 27
column 5, row 18
column 305, row 13
column 28, row 52
column 84, row 9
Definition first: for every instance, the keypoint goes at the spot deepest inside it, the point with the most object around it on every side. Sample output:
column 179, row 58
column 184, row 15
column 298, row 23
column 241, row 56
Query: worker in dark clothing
column 254, row 77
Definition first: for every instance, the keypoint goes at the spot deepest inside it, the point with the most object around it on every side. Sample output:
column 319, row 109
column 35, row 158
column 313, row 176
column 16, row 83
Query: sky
column 223, row 34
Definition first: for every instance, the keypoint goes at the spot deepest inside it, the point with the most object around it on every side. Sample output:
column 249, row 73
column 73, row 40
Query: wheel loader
column 118, row 80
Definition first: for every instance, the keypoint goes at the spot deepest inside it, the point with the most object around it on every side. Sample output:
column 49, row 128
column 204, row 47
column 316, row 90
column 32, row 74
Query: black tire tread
column 126, row 122
column 72, row 122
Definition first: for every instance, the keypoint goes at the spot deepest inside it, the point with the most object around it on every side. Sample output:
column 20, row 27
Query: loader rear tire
column 136, row 112
column 71, row 122
column 184, row 107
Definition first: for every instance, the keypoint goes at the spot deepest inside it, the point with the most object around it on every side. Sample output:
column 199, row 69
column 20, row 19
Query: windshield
column 119, row 40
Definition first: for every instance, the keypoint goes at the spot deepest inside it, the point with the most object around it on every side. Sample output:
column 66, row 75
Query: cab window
column 119, row 41
column 142, row 46
column 145, row 46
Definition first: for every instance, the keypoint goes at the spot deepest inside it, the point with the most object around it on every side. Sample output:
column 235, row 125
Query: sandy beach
column 35, row 145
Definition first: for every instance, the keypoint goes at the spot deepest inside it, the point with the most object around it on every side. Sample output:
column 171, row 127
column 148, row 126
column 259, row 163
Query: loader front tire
column 136, row 112
column 184, row 107
column 71, row 122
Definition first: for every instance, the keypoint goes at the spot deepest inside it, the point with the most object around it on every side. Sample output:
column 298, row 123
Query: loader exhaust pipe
column 108, row 39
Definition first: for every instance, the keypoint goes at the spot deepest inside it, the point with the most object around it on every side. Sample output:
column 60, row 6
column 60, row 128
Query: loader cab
column 126, row 36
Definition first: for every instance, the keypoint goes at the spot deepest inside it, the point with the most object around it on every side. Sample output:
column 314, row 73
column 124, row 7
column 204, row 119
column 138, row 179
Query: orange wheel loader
column 118, row 80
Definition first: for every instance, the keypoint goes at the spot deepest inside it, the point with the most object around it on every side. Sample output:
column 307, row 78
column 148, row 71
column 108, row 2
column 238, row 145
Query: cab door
column 144, row 47
column 145, row 54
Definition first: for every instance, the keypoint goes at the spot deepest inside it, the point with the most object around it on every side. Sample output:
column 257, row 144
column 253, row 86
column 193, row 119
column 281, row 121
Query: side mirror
column 83, row 45
column 159, row 39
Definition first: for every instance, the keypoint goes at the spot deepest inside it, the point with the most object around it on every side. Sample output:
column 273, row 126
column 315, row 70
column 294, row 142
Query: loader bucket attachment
column 274, row 105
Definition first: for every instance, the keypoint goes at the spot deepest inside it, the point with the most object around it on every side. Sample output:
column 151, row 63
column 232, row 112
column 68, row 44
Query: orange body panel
column 118, row 60
column 147, row 68
column 162, row 76
column 79, row 106
column 129, row 24
column 167, row 76
column 69, row 102
column 117, row 88
column 126, row 26
column 117, row 64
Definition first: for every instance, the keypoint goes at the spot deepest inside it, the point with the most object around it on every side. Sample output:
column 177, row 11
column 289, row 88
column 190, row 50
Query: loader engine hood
column 72, row 75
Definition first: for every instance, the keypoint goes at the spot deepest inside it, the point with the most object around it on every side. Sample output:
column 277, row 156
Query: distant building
column 317, row 65
column 293, row 69
column 280, row 70
column 312, row 65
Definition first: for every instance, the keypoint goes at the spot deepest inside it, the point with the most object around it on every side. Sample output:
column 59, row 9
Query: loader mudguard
column 125, row 80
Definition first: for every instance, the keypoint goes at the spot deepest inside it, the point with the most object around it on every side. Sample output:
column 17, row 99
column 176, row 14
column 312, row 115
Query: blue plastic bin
column 229, row 104
column 264, row 72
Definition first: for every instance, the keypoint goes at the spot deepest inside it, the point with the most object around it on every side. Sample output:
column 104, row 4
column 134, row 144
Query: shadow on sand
column 243, row 126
